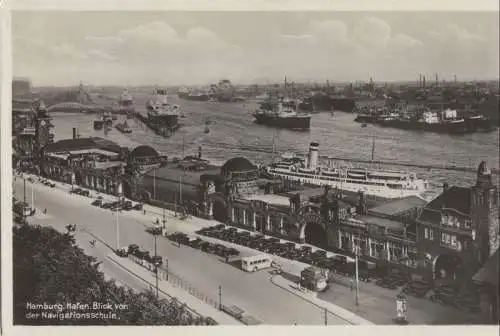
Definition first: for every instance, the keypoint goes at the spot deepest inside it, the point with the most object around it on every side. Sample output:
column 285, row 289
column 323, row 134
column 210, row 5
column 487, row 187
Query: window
column 467, row 224
column 454, row 241
column 426, row 233
column 443, row 237
column 431, row 234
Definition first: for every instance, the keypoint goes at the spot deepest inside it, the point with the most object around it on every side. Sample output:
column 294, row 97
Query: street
column 252, row 292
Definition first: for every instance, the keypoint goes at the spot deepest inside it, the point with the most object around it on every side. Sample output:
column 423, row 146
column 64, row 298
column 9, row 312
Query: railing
column 150, row 267
column 177, row 282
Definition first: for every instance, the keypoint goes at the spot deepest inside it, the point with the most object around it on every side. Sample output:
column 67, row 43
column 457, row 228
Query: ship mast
column 373, row 149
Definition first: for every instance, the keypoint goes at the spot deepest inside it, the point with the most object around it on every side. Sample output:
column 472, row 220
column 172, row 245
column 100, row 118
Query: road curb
column 360, row 320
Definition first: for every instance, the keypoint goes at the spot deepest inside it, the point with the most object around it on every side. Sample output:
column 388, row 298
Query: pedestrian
column 45, row 211
column 352, row 285
column 144, row 212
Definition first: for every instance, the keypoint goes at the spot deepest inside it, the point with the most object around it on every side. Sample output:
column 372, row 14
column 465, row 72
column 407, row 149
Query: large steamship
column 380, row 183
column 162, row 117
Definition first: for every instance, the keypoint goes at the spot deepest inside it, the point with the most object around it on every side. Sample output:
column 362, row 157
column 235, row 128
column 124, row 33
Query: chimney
column 423, row 81
column 445, row 186
column 74, row 133
column 313, row 155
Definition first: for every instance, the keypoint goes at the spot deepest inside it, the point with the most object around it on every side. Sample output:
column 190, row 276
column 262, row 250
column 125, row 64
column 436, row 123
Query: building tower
column 43, row 135
column 484, row 213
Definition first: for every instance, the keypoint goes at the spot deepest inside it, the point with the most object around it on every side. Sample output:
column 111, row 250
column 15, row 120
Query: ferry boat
column 283, row 114
column 379, row 183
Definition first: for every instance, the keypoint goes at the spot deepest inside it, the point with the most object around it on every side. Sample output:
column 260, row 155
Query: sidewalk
column 183, row 296
column 312, row 297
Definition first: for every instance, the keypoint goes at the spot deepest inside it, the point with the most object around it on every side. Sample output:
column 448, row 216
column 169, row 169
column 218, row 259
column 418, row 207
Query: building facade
column 458, row 231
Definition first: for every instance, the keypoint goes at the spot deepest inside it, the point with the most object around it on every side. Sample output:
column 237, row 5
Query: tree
column 49, row 268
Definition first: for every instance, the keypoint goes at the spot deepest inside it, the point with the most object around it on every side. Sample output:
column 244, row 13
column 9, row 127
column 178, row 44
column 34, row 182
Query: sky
column 197, row 48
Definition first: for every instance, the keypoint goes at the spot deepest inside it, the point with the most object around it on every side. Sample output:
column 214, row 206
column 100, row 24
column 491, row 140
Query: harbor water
column 234, row 133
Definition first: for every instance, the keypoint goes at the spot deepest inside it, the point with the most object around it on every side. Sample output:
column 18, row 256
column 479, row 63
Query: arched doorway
column 315, row 235
column 446, row 268
column 220, row 211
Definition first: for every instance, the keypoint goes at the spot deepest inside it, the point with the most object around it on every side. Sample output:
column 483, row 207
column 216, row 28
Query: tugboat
column 123, row 127
column 162, row 117
column 283, row 114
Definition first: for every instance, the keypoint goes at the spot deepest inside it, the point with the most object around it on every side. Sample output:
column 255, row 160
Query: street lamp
column 220, row 298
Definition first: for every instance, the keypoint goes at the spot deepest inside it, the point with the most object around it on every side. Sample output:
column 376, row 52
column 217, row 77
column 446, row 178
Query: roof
column 144, row 151
column 109, row 164
column 380, row 221
column 67, row 145
column 488, row 274
column 398, row 206
column 237, row 164
column 457, row 198
column 270, row 199
column 307, row 193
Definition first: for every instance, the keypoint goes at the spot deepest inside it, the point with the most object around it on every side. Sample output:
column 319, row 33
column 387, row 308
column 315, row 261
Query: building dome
column 237, row 164
column 144, row 151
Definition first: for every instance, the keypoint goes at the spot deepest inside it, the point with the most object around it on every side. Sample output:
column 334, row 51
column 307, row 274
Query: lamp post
column 156, row 269
column 220, row 298
column 117, row 231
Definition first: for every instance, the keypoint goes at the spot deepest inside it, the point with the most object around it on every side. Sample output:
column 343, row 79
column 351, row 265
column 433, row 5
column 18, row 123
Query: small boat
column 364, row 125
column 183, row 115
column 123, row 127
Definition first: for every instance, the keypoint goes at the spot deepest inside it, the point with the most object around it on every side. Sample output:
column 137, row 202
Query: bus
column 255, row 263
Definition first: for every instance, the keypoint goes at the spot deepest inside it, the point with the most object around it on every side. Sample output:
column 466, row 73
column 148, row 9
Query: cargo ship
column 478, row 122
column 282, row 114
column 123, row 127
column 380, row 183
column 162, row 117
column 445, row 122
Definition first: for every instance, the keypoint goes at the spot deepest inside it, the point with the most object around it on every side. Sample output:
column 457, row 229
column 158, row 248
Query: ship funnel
column 313, row 155
column 75, row 132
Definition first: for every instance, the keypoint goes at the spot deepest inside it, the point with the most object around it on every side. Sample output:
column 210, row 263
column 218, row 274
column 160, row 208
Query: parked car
column 97, row 202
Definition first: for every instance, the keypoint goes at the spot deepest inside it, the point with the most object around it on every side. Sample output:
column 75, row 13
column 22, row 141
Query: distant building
column 94, row 163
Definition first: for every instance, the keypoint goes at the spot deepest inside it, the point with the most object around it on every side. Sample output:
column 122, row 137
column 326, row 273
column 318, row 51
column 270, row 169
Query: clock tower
column 43, row 135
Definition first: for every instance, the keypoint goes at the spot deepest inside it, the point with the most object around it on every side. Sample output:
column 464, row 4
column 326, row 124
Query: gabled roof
column 488, row 274
column 457, row 198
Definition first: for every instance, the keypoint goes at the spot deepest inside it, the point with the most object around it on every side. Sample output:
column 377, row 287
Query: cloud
column 156, row 52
